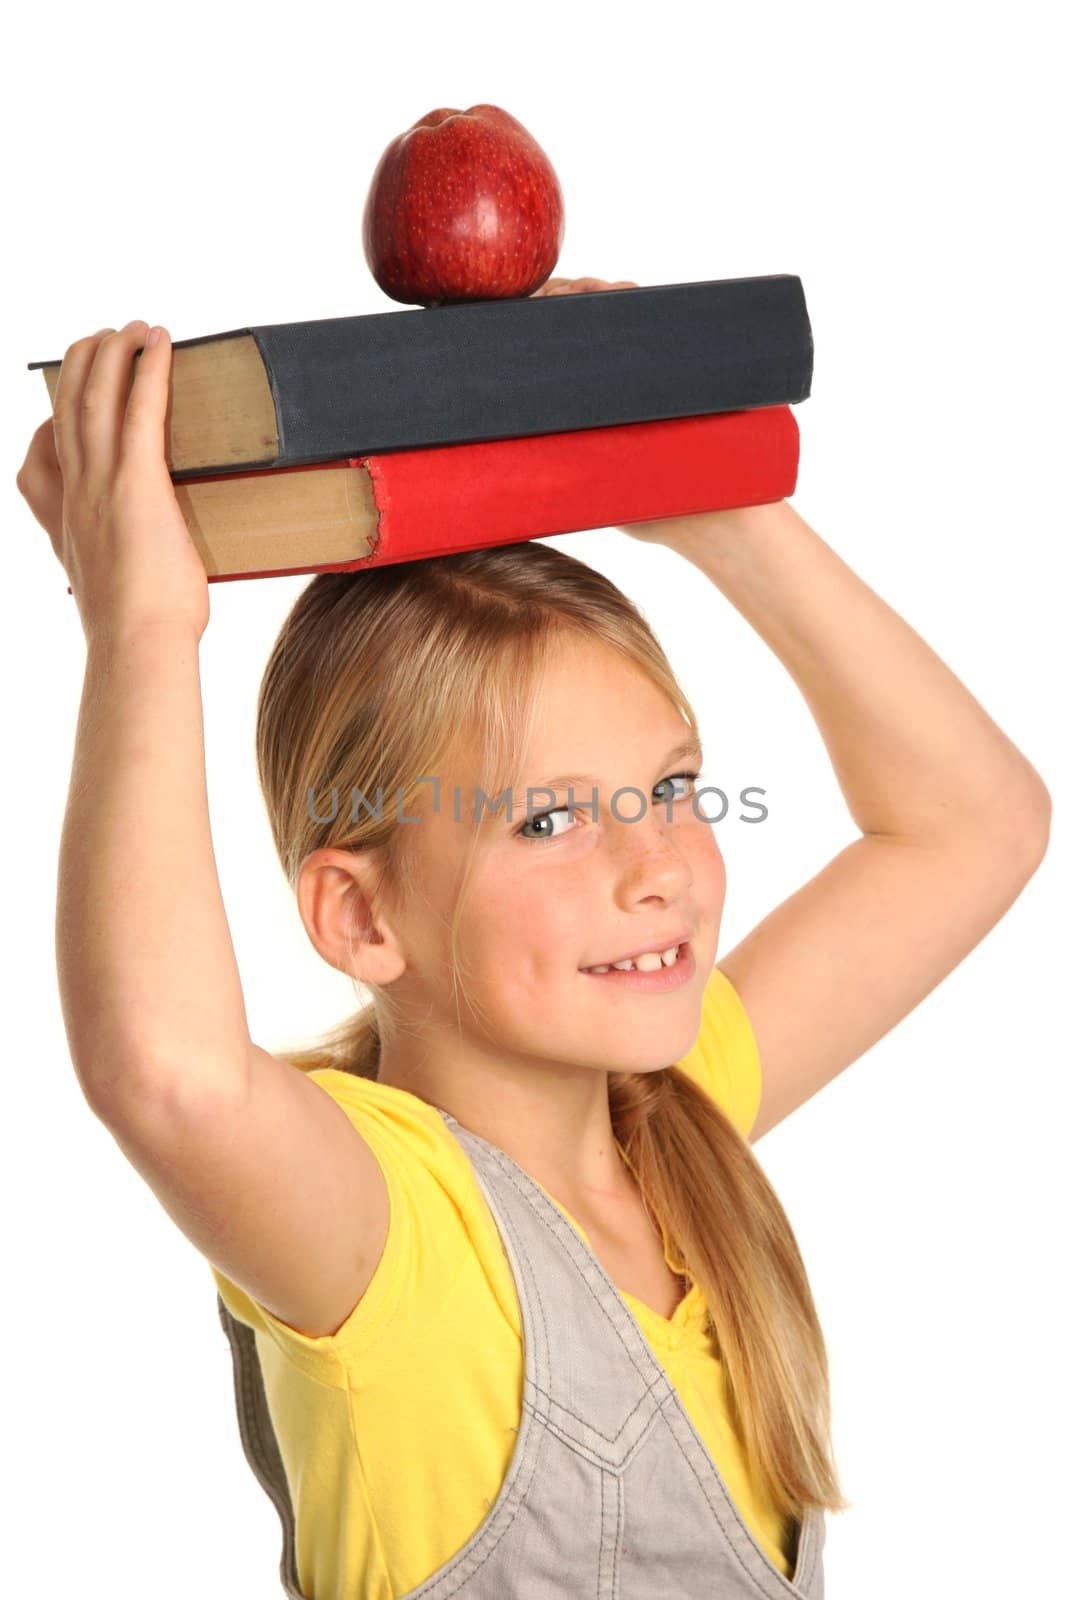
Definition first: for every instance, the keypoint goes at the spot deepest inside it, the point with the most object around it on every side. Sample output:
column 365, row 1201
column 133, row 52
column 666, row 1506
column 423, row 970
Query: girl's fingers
column 104, row 396
column 66, row 409
column 581, row 285
column 143, row 428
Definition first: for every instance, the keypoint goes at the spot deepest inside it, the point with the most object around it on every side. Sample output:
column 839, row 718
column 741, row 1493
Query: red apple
column 463, row 206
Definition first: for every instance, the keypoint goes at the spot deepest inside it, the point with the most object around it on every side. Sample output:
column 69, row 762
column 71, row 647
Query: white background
column 206, row 166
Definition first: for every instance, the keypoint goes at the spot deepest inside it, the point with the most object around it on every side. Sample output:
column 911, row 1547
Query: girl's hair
column 375, row 680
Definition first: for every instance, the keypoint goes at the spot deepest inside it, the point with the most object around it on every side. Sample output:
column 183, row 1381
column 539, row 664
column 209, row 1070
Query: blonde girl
column 514, row 1309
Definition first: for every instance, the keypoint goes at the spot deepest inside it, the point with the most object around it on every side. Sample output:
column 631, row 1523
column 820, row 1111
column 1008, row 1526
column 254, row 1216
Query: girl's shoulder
column 414, row 1145
column 438, row 1218
column 430, row 1187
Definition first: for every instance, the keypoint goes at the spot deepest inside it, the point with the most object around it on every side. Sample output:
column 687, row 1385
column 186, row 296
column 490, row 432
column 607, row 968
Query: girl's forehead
column 587, row 706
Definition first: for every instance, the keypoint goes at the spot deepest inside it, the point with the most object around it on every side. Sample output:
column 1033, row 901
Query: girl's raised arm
column 246, row 1154
column 146, row 968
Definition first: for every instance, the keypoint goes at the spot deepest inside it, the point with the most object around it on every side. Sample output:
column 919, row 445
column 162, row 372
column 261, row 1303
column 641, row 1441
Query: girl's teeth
column 646, row 963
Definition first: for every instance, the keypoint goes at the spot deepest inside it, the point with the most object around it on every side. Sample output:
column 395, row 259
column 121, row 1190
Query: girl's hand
column 710, row 530
column 579, row 286
column 96, row 478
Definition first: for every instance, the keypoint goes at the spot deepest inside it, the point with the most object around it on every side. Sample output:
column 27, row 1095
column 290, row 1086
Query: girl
column 513, row 1309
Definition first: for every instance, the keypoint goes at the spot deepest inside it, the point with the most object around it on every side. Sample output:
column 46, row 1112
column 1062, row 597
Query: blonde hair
column 376, row 678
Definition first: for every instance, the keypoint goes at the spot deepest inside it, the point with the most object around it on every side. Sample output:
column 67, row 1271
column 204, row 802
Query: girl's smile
column 650, row 981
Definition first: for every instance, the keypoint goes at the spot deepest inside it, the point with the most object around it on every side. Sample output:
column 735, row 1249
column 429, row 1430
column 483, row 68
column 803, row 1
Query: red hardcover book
column 410, row 504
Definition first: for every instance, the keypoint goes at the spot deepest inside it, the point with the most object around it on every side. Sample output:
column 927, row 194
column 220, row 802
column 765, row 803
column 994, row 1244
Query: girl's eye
column 562, row 811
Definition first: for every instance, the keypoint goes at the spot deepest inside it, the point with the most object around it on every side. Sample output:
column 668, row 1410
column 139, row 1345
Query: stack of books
column 351, row 442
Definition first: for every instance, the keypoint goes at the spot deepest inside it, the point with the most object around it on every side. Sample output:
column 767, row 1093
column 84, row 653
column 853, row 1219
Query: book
column 373, row 510
column 321, row 392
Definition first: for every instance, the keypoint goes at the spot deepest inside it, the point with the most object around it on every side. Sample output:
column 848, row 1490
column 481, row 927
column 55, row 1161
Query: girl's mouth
column 654, row 982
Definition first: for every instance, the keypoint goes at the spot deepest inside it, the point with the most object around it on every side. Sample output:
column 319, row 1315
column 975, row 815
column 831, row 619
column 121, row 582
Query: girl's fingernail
column 153, row 337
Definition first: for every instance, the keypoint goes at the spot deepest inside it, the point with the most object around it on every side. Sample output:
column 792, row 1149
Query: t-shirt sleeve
column 429, row 1179
column 725, row 1059
column 418, row 1261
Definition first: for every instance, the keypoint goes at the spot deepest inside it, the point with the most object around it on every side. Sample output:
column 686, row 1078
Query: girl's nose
column 650, row 861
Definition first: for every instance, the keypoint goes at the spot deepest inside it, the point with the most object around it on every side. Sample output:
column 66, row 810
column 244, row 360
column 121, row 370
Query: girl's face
column 550, row 896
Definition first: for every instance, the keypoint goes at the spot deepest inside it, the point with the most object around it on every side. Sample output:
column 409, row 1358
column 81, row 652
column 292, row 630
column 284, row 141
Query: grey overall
column 610, row 1493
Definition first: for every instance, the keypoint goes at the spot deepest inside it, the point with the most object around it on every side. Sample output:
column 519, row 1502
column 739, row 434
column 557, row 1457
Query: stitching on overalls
column 613, row 1552
column 679, row 1414
column 547, row 1395
column 571, row 1243
column 459, row 1575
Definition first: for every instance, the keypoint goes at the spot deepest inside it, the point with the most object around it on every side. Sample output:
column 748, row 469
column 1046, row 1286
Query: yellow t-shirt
column 396, row 1431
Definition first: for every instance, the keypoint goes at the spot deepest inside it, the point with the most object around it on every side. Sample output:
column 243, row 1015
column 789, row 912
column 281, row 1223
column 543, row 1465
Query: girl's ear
column 337, row 896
